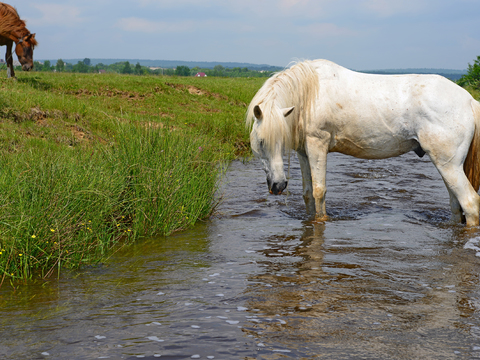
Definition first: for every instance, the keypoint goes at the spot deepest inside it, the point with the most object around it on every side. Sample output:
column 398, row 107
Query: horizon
column 134, row 60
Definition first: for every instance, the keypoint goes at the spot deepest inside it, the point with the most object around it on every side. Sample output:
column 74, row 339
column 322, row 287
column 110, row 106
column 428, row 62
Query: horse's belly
column 373, row 148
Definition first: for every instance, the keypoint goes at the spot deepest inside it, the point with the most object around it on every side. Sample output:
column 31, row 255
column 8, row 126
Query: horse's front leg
column 9, row 61
column 306, row 182
column 317, row 149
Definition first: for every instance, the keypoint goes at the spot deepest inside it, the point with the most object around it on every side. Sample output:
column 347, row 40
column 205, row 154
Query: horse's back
column 378, row 116
column 398, row 91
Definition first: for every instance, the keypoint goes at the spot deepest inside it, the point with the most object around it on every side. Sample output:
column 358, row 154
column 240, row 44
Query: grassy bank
column 91, row 162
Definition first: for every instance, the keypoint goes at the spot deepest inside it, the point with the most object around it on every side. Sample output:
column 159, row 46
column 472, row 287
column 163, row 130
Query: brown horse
column 13, row 30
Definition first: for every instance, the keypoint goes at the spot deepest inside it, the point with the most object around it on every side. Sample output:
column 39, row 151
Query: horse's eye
column 261, row 143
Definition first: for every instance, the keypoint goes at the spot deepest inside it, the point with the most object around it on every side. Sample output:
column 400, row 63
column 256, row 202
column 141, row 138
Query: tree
column 37, row 66
column 127, row 69
column 472, row 77
column 138, row 69
column 218, row 70
column 81, row 67
column 87, row 61
column 168, row 72
column 182, row 71
column 60, row 65
column 47, row 66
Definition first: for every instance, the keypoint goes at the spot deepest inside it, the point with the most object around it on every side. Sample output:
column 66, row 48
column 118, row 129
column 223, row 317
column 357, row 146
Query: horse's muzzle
column 27, row 67
column 277, row 188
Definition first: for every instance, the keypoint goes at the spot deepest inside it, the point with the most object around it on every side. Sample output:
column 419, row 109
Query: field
column 90, row 163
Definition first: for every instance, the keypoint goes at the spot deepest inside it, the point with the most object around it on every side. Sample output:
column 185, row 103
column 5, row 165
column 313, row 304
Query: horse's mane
column 11, row 23
column 296, row 86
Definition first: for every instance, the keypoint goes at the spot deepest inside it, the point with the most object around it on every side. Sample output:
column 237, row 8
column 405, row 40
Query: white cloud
column 176, row 3
column 57, row 15
column 278, row 8
column 289, row 4
column 470, row 43
column 386, row 8
column 326, row 30
column 135, row 24
column 147, row 26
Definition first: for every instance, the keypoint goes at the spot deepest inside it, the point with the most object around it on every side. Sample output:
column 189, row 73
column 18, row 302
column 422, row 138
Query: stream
column 387, row 277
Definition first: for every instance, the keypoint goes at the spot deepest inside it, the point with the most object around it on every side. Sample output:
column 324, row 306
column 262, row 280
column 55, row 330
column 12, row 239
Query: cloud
column 326, row 30
column 136, row 24
column 57, row 15
column 470, row 43
column 290, row 4
column 278, row 9
column 387, row 8
column 176, row 3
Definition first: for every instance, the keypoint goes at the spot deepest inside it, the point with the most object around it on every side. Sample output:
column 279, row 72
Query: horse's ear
column 288, row 111
column 257, row 112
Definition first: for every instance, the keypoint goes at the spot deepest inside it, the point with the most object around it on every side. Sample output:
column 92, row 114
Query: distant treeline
column 125, row 67
column 172, row 64
column 167, row 67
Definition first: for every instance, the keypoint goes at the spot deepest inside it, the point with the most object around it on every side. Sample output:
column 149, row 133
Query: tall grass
column 89, row 163
column 65, row 208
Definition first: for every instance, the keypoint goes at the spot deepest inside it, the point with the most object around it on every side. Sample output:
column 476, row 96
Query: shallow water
column 386, row 278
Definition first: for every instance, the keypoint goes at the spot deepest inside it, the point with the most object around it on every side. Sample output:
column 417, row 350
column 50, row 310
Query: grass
column 474, row 91
column 89, row 163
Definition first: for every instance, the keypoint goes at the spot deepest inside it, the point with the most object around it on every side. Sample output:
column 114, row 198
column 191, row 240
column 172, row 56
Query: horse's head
column 24, row 51
column 269, row 149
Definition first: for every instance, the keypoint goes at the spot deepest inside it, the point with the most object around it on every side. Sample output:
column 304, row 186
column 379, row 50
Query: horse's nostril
column 277, row 188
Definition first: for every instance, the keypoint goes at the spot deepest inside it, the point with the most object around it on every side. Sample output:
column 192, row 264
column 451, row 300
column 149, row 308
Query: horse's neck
column 13, row 34
column 10, row 35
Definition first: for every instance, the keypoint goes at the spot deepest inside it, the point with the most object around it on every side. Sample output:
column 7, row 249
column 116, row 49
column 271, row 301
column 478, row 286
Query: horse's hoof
column 322, row 218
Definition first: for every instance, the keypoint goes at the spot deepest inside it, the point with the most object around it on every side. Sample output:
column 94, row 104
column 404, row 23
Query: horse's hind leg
column 457, row 214
column 447, row 150
column 463, row 193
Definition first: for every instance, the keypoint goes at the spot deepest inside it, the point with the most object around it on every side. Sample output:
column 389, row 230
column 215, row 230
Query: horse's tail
column 471, row 166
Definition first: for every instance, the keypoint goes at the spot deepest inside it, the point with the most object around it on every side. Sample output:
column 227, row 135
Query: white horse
column 317, row 107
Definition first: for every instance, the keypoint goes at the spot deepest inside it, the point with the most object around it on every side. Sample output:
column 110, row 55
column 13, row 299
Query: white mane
column 297, row 86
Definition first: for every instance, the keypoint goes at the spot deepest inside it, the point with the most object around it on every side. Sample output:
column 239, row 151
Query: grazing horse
column 13, row 30
column 317, row 107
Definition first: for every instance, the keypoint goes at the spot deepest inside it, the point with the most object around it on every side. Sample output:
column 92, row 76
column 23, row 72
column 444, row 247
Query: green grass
column 474, row 91
column 89, row 163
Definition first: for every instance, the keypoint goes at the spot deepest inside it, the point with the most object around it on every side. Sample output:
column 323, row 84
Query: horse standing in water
column 317, row 107
column 13, row 30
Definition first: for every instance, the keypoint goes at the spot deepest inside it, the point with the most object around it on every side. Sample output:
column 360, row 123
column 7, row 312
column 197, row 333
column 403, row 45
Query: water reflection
column 348, row 297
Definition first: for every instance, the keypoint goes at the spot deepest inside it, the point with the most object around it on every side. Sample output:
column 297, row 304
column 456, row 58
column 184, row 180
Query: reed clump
column 62, row 209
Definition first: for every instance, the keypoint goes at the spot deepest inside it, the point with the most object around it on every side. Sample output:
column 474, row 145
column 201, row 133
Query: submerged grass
column 89, row 163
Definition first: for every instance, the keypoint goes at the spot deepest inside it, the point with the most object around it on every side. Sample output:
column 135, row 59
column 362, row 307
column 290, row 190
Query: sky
column 358, row 34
